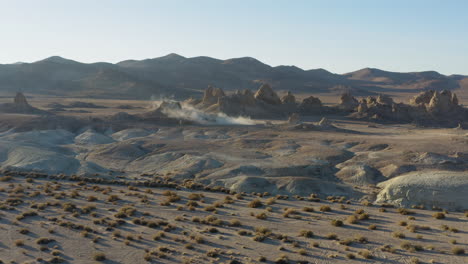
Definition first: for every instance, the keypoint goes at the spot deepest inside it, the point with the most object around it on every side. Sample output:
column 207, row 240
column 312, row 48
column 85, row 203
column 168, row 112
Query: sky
column 339, row 36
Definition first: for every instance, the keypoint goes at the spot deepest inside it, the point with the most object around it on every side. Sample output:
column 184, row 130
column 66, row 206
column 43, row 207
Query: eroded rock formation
column 20, row 106
column 429, row 108
column 266, row 94
column 348, row 102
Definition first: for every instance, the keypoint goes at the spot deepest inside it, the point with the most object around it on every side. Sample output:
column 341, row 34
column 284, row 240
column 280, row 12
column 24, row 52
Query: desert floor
column 78, row 222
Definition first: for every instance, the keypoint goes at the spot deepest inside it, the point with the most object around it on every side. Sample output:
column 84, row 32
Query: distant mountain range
column 181, row 77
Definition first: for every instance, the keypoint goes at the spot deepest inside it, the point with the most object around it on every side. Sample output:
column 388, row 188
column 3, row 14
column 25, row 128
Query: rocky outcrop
column 20, row 106
column 348, row 102
column 20, row 100
column 289, row 98
column 310, row 104
column 294, row 119
column 435, row 102
column 429, row 108
column 443, row 102
column 266, row 94
column 264, row 103
column 212, row 95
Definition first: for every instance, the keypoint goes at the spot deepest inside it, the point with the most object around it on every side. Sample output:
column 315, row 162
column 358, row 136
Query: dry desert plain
column 85, row 186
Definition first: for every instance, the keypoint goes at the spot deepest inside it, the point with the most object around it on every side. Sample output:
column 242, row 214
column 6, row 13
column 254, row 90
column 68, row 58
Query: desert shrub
column 24, row 231
column 210, row 208
column 43, row 240
column 244, row 233
column 352, row 219
column 438, row 215
column 359, row 211
column 195, row 196
column 336, row 222
column 87, row 209
column 189, row 246
column 404, row 211
column 213, row 253
column 212, row 230
column 5, row 178
column 158, row 236
column 99, row 256
column 289, row 212
column 361, row 239
column 261, row 216
column 19, row 243
column 113, row 198
column 388, row 248
column 125, row 212
column 270, row 201
column 55, row 260
column 259, row 237
column 308, row 209
column 411, row 247
column 372, row 227
column 332, row 236
column 366, row 203
column 363, row 216
column 402, row 223
column 365, row 254
column 255, row 203
column 262, row 230
column 398, row 234
column 198, row 239
column 345, row 242
column 458, row 251
column 235, row 223
column 350, row 256
column 212, row 220
column 192, row 203
column 325, row 208
column 26, row 214
column 306, row 233
column 173, row 198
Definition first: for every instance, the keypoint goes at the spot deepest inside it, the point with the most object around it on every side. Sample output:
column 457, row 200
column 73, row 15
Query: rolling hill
column 181, row 77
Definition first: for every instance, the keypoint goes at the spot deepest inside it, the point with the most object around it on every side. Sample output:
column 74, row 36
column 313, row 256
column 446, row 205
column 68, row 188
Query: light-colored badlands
column 363, row 150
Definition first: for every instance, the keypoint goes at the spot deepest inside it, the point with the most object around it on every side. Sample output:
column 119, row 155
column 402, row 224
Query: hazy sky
column 340, row 36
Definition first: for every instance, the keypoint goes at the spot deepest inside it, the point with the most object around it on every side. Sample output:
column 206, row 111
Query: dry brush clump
column 99, row 256
column 438, row 215
column 337, row 223
column 256, row 203
column 458, row 251
column 325, row 208
column 306, row 233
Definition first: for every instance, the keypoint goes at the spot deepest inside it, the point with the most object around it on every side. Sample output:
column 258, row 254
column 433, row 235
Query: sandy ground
column 62, row 216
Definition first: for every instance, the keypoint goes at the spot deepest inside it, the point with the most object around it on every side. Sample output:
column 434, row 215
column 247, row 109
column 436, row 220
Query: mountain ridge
column 182, row 77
